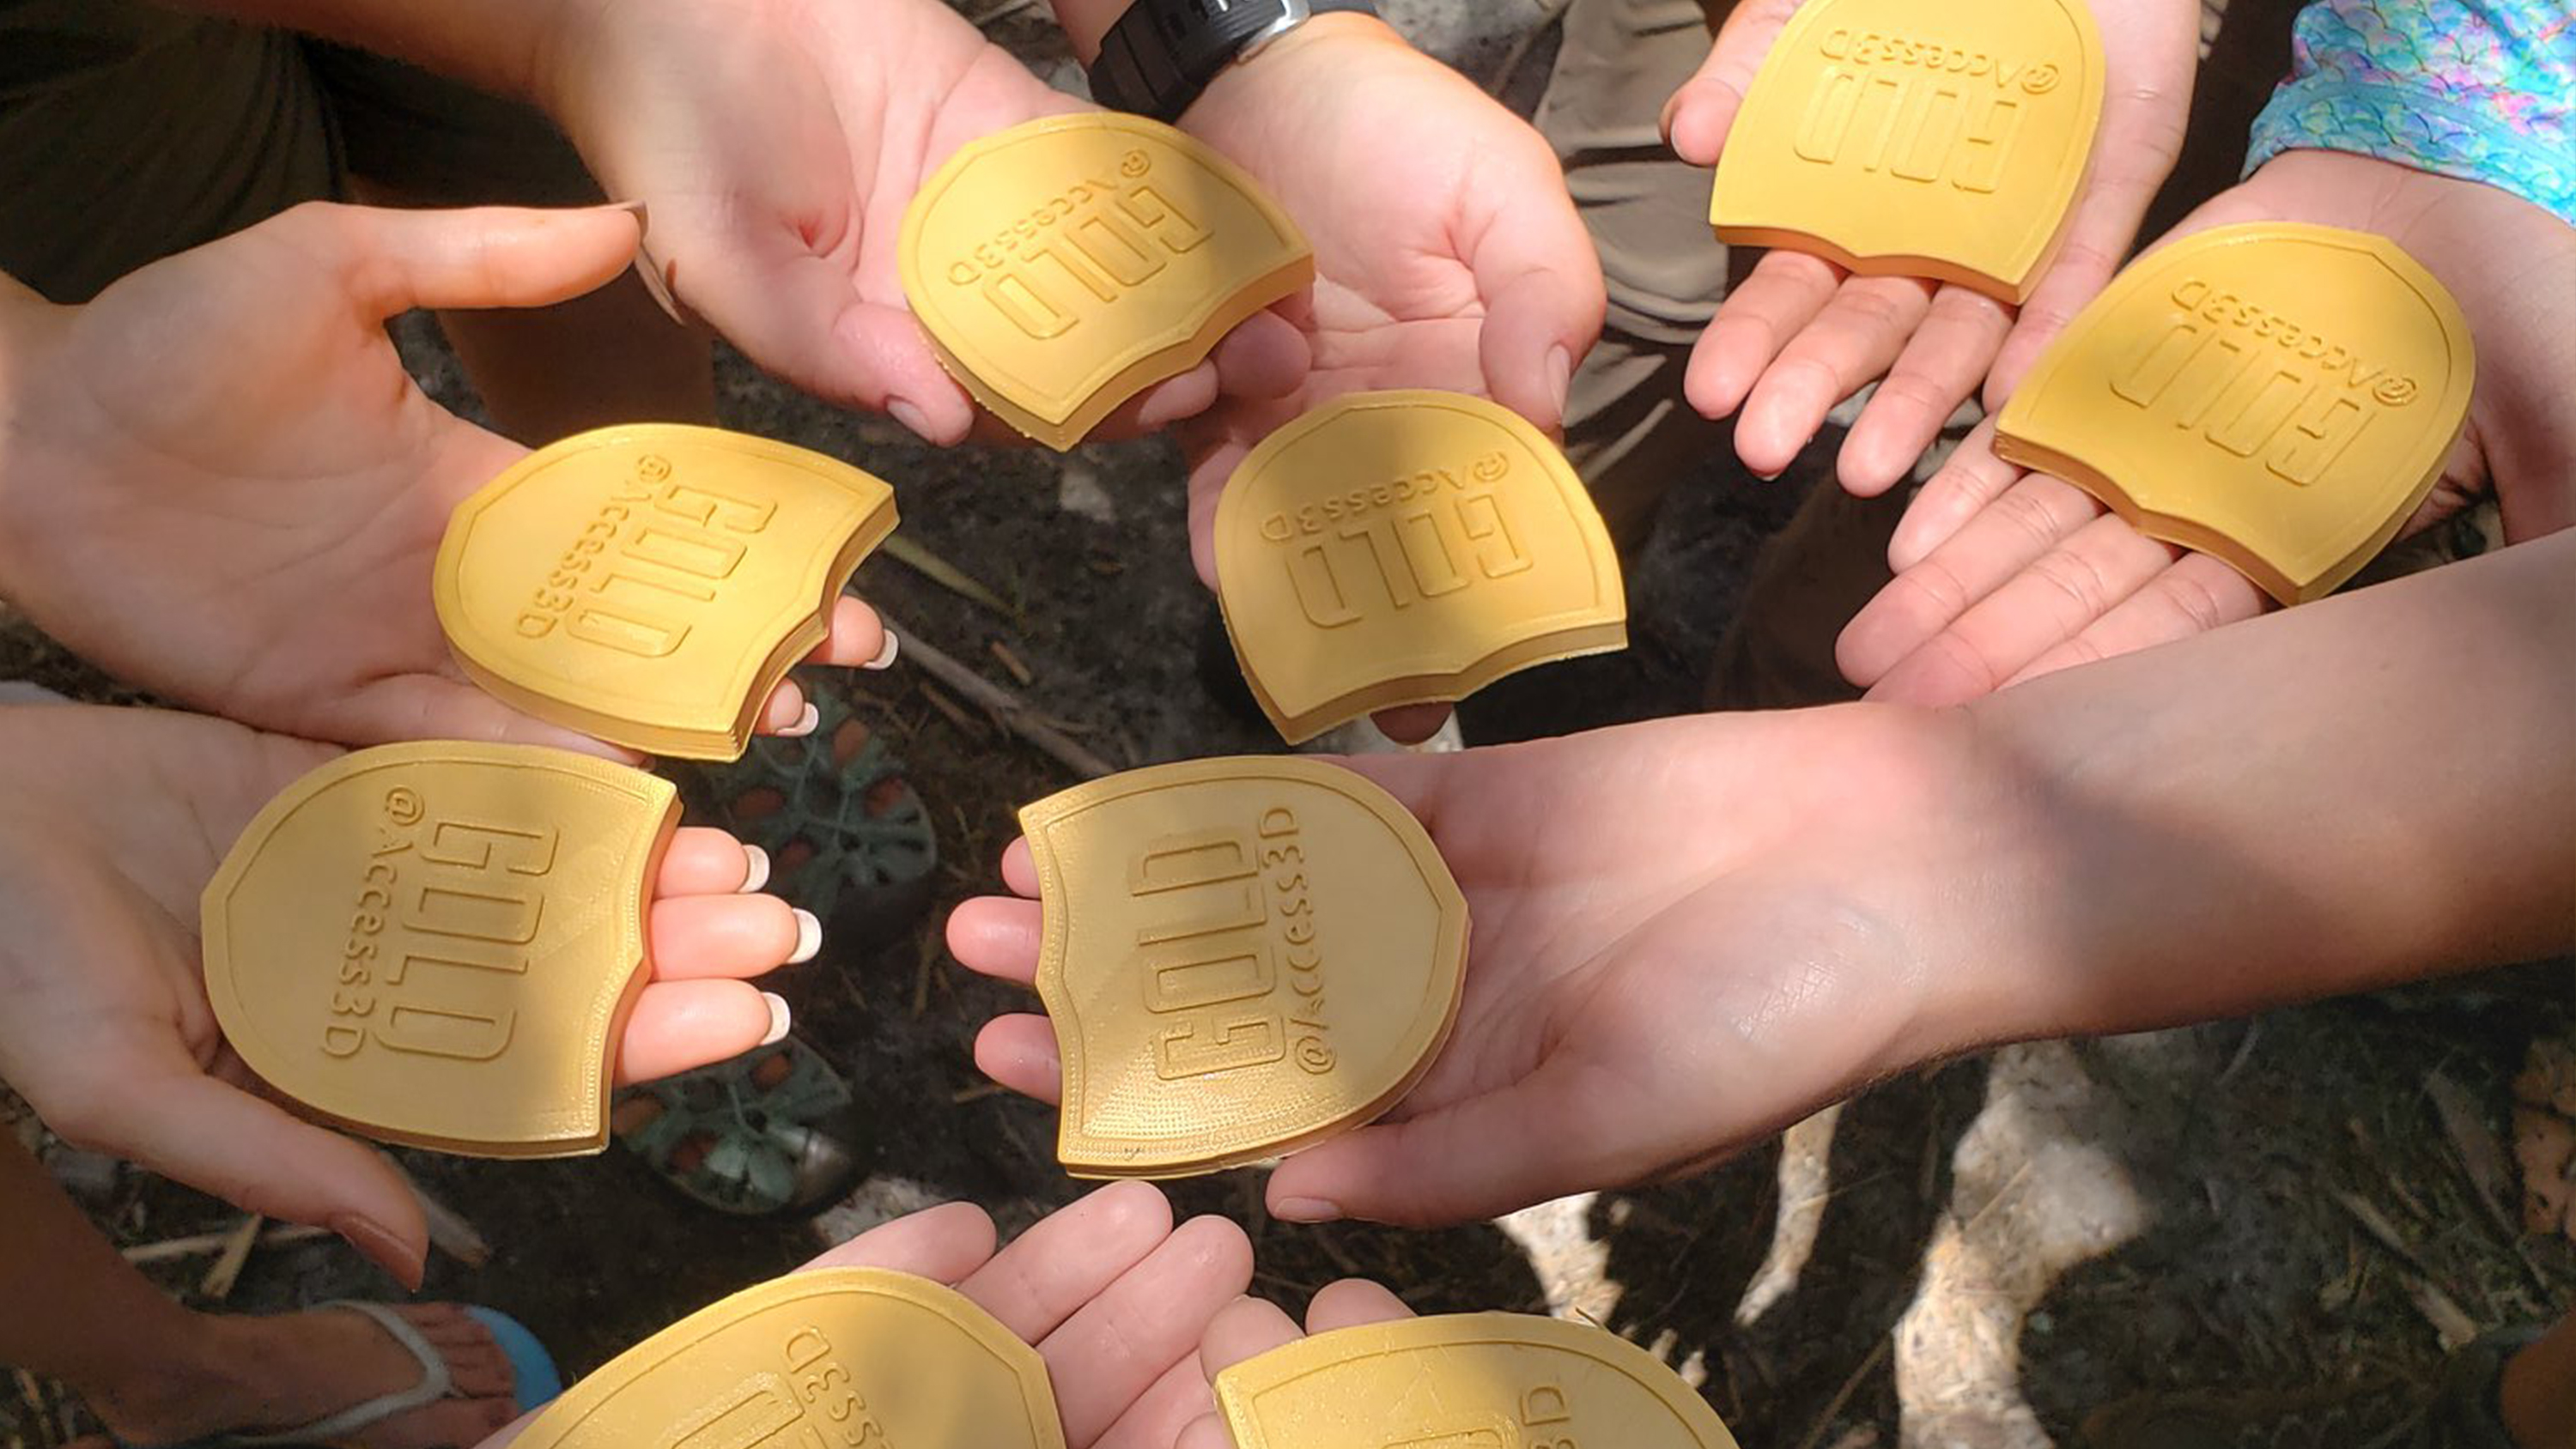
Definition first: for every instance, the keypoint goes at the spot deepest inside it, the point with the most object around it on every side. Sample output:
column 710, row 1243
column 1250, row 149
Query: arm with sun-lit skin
column 1693, row 932
column 1801, row 334
column 111, row 823
column 1112, row 1295
column 780, row 147
column 218, row 482
column 2003, row 576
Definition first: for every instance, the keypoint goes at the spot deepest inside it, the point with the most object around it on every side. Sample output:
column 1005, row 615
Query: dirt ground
column 1996, row 1252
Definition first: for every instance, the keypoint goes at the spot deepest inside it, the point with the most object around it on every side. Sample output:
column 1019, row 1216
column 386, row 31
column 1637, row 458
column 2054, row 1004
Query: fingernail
column 777, row 1018
column 378, row 1245
column 809, row 938
column 885, row 655
column 758, row 875
column 1306, row 1210
column 1560, row 377
column 810, row 720
column 643, row 215
column 913, row 418
column 650, row 271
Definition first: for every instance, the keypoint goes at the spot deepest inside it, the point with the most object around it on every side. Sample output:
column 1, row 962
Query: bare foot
column 269, row 1373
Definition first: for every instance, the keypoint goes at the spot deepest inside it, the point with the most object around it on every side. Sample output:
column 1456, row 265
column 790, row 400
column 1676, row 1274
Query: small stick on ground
column 198, row 1244
column 1004, row 705
column 1010, row 662
column 218, row 1283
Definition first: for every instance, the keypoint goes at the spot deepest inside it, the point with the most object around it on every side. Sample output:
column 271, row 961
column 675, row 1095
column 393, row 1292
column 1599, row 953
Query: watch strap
column 1161, row 54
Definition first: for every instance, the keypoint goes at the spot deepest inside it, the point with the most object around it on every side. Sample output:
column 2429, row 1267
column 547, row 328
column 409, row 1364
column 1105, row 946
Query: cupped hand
column 2003, row 575
column 218, row 482
column 1447, row 253
column 111, row 823
column 1686, row 934
column 777, row 145
column 1802, row 334
column 1109, row 1292
column 1252, row 1327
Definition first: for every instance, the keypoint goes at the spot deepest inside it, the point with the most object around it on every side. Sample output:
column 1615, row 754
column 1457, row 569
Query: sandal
column 533, row 1377
column 773, row 1132
column 848, row 839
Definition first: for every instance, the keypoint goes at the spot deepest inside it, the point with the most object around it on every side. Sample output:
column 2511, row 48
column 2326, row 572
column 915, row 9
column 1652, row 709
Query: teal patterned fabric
column 2484, row 90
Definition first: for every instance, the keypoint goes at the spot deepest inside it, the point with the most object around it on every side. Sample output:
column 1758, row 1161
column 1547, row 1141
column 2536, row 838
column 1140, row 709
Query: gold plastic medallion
column 838, row 1358
column 1242, row 958
column 2281, row 396
column 650, row 585
column 1469, row 1381
column 1398, row 548
column 1067, row 264
column 437, row 944
column 1899, row 138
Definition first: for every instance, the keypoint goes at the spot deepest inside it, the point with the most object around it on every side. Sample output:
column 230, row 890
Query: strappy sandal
column 534, row 1379
column 772, row 1132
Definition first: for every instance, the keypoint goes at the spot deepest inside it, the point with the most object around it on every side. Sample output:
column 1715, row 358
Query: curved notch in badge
column 838, row 1356
column 1067, row 264
column 1467, row 1381
column 2279, row 395
column 1898, row 138
column 1242, row 957
column 650, row 585
column 437, row 944
column 1400, row 548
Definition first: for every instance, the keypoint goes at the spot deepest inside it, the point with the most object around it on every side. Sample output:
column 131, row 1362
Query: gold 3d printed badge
column 437, row 944
column 1067, row 264
column 839, row 1358
column 652, row 584
column 1242, row 958
column 2281, row 396
column 1906, row 139
column 1469, row 1381
column 1398, row 548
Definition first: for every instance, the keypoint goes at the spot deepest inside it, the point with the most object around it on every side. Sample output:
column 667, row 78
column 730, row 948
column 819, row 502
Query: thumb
column 1540, row 278
column 1442, row 1167
column 1700, row 114
column 218, row 1139
column 389, row 261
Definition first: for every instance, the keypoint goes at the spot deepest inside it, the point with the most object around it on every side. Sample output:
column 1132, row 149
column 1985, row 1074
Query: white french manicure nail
column 809, row 937
column 777, row 1018
column 806, row 723
column 758, row 875
column 885, row 656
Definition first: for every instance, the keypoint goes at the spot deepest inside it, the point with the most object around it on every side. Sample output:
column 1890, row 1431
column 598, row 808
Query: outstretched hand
column 1112, row 1295
column 2002, row 575
column 782, row 145
column 1687, row 934
column 111, row 823
column 1801, row 334
column 218, row 482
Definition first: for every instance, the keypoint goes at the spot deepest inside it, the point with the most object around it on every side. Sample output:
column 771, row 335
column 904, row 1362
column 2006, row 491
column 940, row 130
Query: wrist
column 1330, row 39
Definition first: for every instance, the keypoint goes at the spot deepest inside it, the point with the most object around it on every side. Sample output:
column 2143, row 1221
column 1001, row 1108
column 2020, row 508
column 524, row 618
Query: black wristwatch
column 1162, row 53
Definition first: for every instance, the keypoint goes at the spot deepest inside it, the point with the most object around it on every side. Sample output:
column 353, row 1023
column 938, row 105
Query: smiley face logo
column 2039, row 80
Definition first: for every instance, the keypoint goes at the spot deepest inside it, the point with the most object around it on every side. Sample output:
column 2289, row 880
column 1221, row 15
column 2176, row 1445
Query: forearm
column 500, row 45
column 2346, row 795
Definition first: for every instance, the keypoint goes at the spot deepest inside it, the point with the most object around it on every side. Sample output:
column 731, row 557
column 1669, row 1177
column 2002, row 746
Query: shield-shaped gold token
column 471, row 997
column 1067, row 264
column 1242, row 958
column 1398, row 548
column 839, row 1358
column 1905, row 139
column 1468, row 1381
column 2281, row 396
column 650, row 585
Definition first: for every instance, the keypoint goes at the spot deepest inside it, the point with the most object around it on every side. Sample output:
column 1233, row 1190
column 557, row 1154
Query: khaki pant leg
column 1628, row 428
column 128, row 133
